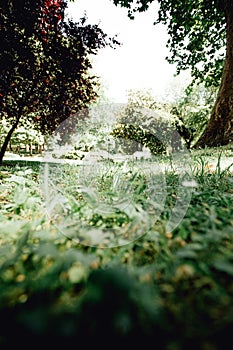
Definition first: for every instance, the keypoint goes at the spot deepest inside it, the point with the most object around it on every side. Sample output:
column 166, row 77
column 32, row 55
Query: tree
column 199, row 31
column 193, row 109
column 149, row 123
column 45, row 64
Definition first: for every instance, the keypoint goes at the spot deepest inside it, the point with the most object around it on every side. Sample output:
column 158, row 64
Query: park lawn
column 172, row 288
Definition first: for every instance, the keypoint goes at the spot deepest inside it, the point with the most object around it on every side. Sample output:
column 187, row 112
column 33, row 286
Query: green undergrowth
column 170, row 288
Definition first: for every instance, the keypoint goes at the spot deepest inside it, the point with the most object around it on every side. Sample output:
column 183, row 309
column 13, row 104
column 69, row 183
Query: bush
column 146, row 122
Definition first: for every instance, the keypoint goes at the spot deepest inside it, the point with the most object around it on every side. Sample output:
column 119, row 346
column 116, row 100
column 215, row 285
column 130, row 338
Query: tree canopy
column 197, row 34
column 45, row 64
column 200, row 38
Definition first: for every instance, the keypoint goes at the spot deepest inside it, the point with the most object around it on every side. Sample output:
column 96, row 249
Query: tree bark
column 7, row 139
column 219, row 130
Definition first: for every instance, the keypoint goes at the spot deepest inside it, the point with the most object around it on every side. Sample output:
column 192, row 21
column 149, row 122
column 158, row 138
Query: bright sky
column 140, row 62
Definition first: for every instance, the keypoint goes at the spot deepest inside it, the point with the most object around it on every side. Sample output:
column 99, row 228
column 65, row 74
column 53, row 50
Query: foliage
column 147, row 122
column 90, row 138
column 23, row 135
column 197, row 33
column 200, row 39
column 172, row 288
column 193, row 109
column 45, row 63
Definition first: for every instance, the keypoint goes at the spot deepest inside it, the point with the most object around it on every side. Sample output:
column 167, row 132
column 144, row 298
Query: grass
column 136, row 282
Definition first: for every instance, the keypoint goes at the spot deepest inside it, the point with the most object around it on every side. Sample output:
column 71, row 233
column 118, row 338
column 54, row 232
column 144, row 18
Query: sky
column 139, row 63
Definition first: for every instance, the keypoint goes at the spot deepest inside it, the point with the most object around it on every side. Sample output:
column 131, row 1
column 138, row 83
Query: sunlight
column 140, row 62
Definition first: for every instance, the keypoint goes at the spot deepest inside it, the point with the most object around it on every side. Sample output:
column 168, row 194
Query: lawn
column 83, row 265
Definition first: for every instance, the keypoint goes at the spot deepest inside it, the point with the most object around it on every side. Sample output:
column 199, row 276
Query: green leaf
column 225, row 266
column 186, row 253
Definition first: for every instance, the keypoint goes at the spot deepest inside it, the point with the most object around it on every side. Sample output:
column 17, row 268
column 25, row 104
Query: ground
column 172, row 288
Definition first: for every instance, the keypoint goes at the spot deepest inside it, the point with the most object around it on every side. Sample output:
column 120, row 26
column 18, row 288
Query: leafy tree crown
column 197, row 33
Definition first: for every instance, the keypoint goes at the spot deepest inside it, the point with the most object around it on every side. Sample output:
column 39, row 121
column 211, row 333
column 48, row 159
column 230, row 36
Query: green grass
column 171, row 288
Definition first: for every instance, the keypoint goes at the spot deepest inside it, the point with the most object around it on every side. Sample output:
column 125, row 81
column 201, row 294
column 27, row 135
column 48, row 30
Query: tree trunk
column 30, row 149
column 7, row 139
column 219, row 130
